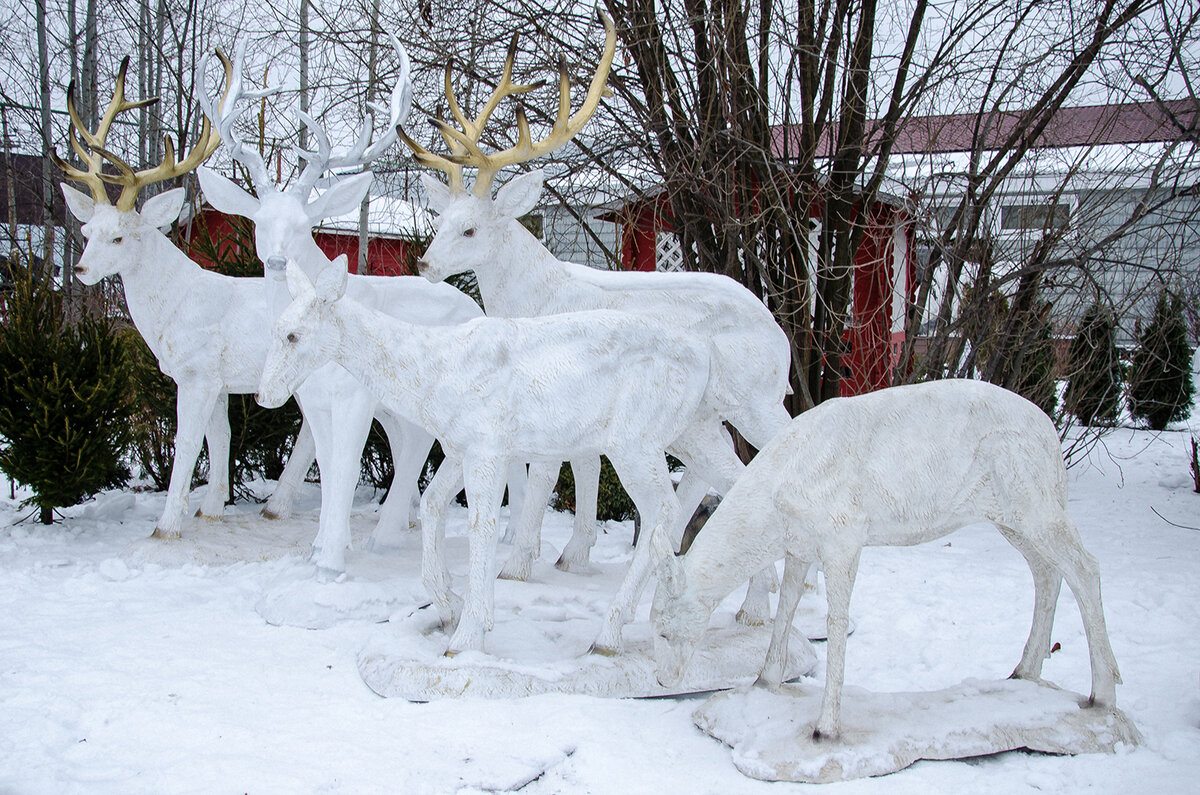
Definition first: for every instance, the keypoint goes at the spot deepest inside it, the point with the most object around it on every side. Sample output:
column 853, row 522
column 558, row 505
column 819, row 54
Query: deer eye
column 469, row 232
column 117, row 240
column 293, row 338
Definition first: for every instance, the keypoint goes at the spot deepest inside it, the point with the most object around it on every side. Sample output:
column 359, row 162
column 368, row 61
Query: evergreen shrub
column 65, row 415
column 1160, row 375
column 1094, row 389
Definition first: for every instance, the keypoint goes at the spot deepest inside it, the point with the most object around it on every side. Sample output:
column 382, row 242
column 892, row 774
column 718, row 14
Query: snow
column 129, row 665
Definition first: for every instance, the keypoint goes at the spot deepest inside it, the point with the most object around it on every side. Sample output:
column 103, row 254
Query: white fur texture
column 519, row 277
column 496, row 391
column 895, row 467
column 207, row 331
column 339, row 406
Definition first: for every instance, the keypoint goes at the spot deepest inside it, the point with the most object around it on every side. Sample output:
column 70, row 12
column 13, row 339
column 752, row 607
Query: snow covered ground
column 130, row 666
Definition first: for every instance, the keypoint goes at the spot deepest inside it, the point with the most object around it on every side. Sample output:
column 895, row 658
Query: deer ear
column 331, row 281
column 341, row 198
column 298, row 282
column 226, row 195
column 81, row 205
column 163, row 209
column 439, row 193
column 519, row 195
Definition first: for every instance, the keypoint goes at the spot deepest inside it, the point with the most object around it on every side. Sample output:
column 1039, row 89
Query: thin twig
column 1173, row 524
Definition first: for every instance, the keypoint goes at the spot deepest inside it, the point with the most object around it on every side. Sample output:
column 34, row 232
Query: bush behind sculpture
column 1160, row 377
column 1094, row 389
column 153, row 411
column 65, row 414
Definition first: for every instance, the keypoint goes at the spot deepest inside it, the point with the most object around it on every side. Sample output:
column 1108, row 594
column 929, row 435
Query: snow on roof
column 388, row 216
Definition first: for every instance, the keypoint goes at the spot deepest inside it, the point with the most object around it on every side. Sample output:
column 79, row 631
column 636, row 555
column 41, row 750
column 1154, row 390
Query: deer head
column 678, row 623
column 284, row 217
column 115, row 233
column 470, row 225
column 305, row 335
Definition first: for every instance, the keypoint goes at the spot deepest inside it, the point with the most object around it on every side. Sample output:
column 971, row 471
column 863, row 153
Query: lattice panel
column 668, row 252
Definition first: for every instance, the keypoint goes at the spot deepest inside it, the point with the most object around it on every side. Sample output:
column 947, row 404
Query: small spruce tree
column 1094, row 389
column 153, row 411
column 64, row 408
column 1035, row 376
column 1160, row 376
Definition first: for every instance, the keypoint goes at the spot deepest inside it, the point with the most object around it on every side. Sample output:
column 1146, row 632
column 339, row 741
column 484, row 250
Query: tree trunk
column 47, row 133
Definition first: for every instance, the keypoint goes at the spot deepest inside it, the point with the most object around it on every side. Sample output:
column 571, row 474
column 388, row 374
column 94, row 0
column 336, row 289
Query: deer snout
column 422, row 266
column 80, row 270
column 277, row 262
column 268, row 401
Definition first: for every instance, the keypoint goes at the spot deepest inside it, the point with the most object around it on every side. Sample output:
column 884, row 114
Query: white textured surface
column 499, row 391
column 896, row 467
column 120, row 675
column 771, row 733
column 407, row 663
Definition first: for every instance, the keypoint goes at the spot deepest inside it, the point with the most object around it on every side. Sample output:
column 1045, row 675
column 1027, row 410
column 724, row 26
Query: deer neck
column 311, row 258
column 371, row 344
column 524, row 277
column 737, row 545
column 156, row 283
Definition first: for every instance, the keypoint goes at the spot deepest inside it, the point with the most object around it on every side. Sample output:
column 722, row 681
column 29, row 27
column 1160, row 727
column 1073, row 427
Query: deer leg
column 794, row 572
column 648, row 482
column 484, row 480
column 341, row 422
column 304, row 452
column 841, row 567
column 193, row 409
column 1063, row 547
column 578, row 550
column 217, row 438
column 410, row 448
column 1047, row 582
column 527, row 527
column 442, row 488
column 518, row 475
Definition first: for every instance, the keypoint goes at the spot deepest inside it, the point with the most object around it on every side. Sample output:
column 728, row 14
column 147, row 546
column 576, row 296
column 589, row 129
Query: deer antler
column 92, row 150
column 464, row 144
column 224, row 113
column 363, row 152
column 88, row 150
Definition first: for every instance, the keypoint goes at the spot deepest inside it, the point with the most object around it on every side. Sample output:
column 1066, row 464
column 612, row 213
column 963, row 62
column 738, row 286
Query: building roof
column 1129, row 123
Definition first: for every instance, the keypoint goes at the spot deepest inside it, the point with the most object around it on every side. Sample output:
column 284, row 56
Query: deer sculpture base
column 405, row 661
column 772, row 739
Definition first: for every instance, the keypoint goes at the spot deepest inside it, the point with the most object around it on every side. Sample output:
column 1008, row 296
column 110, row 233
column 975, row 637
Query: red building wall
column 211, row 230
column 874, row 348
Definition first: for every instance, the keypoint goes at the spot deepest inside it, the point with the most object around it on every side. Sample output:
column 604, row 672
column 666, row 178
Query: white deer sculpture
column 283, row 224
column 207, row 330
column 869, row 471
column 197, row 323
column 519, row 277
column 495, row 391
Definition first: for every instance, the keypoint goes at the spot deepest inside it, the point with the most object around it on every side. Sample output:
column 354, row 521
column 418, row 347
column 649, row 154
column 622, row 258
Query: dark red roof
column 1139, row 122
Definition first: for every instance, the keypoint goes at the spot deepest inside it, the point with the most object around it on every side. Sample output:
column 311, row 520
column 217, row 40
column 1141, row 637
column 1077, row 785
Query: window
column 534, row 223
column 1034, row 216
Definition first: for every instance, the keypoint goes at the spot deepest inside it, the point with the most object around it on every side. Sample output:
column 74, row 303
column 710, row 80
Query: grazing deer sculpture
column 340, row 407
column 495, row 391
column 868, row 471
column 519, row 277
